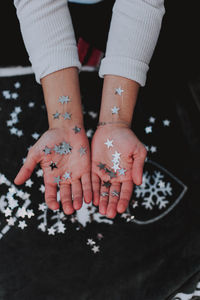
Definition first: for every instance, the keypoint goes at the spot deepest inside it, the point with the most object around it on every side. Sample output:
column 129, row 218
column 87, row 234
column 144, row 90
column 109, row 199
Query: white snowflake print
column 151, row 190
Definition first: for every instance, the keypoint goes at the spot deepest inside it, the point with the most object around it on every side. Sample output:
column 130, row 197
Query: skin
column 87, row 179
column 133, row 152
column 62, row 83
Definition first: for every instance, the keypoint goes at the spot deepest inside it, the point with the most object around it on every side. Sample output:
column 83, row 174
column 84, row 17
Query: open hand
column 116, row 167
column 64, row 156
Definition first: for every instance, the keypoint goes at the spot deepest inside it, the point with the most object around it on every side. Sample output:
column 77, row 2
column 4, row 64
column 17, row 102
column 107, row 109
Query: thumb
column 138, row 165
column 26, row 170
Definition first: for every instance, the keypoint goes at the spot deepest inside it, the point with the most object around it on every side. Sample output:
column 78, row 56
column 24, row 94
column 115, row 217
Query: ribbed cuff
column 54, row 61
column 125, row 67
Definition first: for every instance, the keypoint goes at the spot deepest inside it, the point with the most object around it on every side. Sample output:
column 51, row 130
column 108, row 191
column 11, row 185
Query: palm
column 71, row 169
column 127, row 169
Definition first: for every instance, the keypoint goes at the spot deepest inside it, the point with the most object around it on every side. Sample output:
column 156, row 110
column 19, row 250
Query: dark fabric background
column 137, row 261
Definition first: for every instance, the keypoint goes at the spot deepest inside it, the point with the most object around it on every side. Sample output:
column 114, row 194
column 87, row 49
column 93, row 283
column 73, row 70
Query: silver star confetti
column 122, row 171
column 101, row 166
column 76, row 129
column 22, row 224
column 67, row 116
column 109, row 143
column 56, row 115
column 104, row 194
column 47, row 150
column 115, row 193
column 148, row 129
column 67, row 175
column 115, row 167
column 106, row 184
column 116, row 156
column 53, row 165
column 119, row 91
column 166, row 122
column 115, row 110
column 57, row 180
column 64, row 99
column 82, row 151
column 95, row 249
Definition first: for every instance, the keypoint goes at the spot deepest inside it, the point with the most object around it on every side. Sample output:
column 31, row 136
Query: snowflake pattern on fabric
column 153, row 192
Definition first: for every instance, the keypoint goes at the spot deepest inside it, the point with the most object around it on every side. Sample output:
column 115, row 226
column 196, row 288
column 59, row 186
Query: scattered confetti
column 53, row 165
column 115, row 110
column 64, row 99
column 148, row 129
column 47, row 150
column 119, row 91
column 109, row 143
column 82, row 151
column 56, row 115
column 67, row 116
column 76, row 129
column 67, row 175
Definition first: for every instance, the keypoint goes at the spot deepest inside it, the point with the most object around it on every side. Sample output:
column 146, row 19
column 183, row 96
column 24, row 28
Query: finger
column 66, row 198
column 138, row 165
column 113, row 200
column 103, row 201
column 95, row 188
column 26, row 170
column 77, row 194
column 51, row 195
column 125, row 196
column 87, row 187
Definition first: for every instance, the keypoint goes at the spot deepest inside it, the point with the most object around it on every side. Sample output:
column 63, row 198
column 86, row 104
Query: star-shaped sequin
column 101, row 166
column 104, row 194
column 109, row 143
column 67, row 116
column 57, row 180
column 106, row 184
column 112, row 174
column 148, row 129
column 64, row 99
column 116, row 156
column 166, row 122
column 115, row 193
column 56, row 115
column 115, row 110
column 119, row 91
column 77, row 129
column 47, row 150
column 67, row 175
column 53, row 165
column 82, row 151
column 115, row 167
column 122, row 171
column 95, row 249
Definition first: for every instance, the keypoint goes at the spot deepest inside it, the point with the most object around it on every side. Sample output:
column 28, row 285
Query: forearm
column 64, row 82
column 125, row 103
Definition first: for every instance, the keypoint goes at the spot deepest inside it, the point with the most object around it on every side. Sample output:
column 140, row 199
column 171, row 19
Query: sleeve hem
column 57, row 60
column 125, row 67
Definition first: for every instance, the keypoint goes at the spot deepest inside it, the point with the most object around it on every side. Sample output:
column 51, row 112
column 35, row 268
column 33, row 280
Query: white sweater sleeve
column 133, row 34
column 48, row 35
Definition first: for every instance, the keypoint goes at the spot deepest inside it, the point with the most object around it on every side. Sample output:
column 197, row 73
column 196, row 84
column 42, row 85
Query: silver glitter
column 56, row 115
column 64, row 99
column 76, row 129
column 67, row 116
column 47, row 150
column 82, row 151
